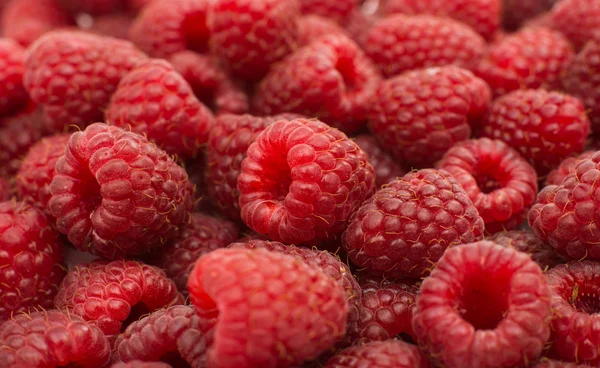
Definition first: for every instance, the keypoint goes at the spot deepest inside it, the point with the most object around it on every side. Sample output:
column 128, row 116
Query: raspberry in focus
column 566, row 167
column 380, row 354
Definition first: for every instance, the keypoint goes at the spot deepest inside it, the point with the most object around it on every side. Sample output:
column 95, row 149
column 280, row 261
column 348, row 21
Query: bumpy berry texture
column 386, row 169
column 110, row 294
column 399, row 43
column 483, row 306
column 12, row 66
column 531, row 58
column 37, row 170
column 52, row 339
column 419, row 115
column 94, row 7
column 73, row 74
column 527, row 242
column 154, row 100
column 380, row 354
column 30, row 260
column 141, row 364
column 566, row 167
column 313, row 27
column 115, row 194
column 579, row 20
column 499, row 181
column 272, row 309
column 177, row 335
column 338, row 10
column 331, row 79
column 301, row 181
column 407, row 225
column 517, row 12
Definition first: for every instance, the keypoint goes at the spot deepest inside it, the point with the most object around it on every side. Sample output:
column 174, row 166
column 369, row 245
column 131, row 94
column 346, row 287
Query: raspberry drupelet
column 527, row 242
column 407, row 225
column 566, row 167
column 579, row 20
column 301, row 181
column 12, row 67
column 380, row 354
column 483, row 306
column 386, row 169
column 116, row 194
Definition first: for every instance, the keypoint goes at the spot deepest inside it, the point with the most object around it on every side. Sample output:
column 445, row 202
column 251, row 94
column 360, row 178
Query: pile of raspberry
column 299, row 183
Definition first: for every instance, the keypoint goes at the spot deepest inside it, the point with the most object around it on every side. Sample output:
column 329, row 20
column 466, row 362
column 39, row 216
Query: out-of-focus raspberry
column 141, row 364
column 566, row 167
column 548, row 363
column 359, row 24
column 113, row 25
column 115, row 193
column 94, row 7
column 4, row 190
column 527, row 242
column 156, row 101
column 517, row 12
column 136, row 5
column 337, row 10
column 12, row 92
column 331, row 79
column 380, row 354
column 52, row 339
column 578, row 20
column 272, row 309
column 419, row 115
column 399, row 43
column 386, row 169
column 313, row 27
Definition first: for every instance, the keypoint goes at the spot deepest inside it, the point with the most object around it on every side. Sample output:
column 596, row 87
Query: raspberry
column 140, row 364
column 37, row 170
column 338, row 10
column 111, row 294
column 386, row 169
column 210, row 82
column 547, row 363
column 12, row 92
column 359, row 24
column 94, row 7
column 380, row 354
column 302, row 180
column 517, row 12
column 481, row 15
column 52, row 339
column 399, row 43
column 566, row 167
column 313, row 27
column 407, row 225
column 419, row 115
column 545, row 127
column 527, row 242
column 272, row 309
column 202, row 235
column 4, row 190
column 531, row 58
column 331, row 79
column 73, row 74
column 501, row 183
column 154, row 100
column 165, row 27
column 250, row 44
column 483, row 306
column 114, row 193
column 30, row 259
column 113, row 25
column 176, row 335
column 578, row 20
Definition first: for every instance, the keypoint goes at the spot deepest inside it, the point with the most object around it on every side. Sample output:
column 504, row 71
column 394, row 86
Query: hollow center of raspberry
column 196, row 32
column 345, row 66
column 487, row 182
column 484, row 300
column 586, row 300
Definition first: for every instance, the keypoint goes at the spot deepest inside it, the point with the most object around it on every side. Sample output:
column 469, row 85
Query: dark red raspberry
column 302, row 180
column 527, row 242
column 37, row 170
column 331, row 79
column 156, row 101
column 419, row 115
column 52, row 339
column 112, row 294
column 399, row 43
column 136, row 5
column 338, row 10
column 566, row 167
column 578, row 20
column 545, row 127
column 175, row 335
column 115, row 194
column 483, row 306
column 313, row 27
column 30, row 260
column 380, row 354
column 531, row 58
column 271, row 308
column 547, row 363
column 73, row 74
column 211, row 84
column 12, row 66
column 4, row 190
column 141, row 364
column 202, row 235
column 499, row 181
column 407, row 225
column 386, row 169
column 249, row 44
column 93, row 7
column 113, row 25
column 517, row 12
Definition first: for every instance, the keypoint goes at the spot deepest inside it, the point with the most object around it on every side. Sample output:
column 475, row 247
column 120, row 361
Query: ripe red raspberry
column 250, row 44
column 112, row 294
column 302, row 180
column 211, row 84
column 527, row 242
column 271, row 308
column 30, row 260
column 52, row 339
column 12, row 65
column 116, row 194
column 407, row 225
column 380, row 354
column 154, row 100
column 141, row 364
column 94, row 7
column 566, row 167
column 37, row 170
column 517, row 12
column 113, row 25
column 419, row 115
column 359, row 24
column 531, row 58
column 399, row 43
column 337, row 10
column 499, row 181
column 313, row 27
column 483, row 306
column 386, row 169
column 331, row 79
column 578, row 20
column 545, row 127
column 547, row 363
column 73, row 74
